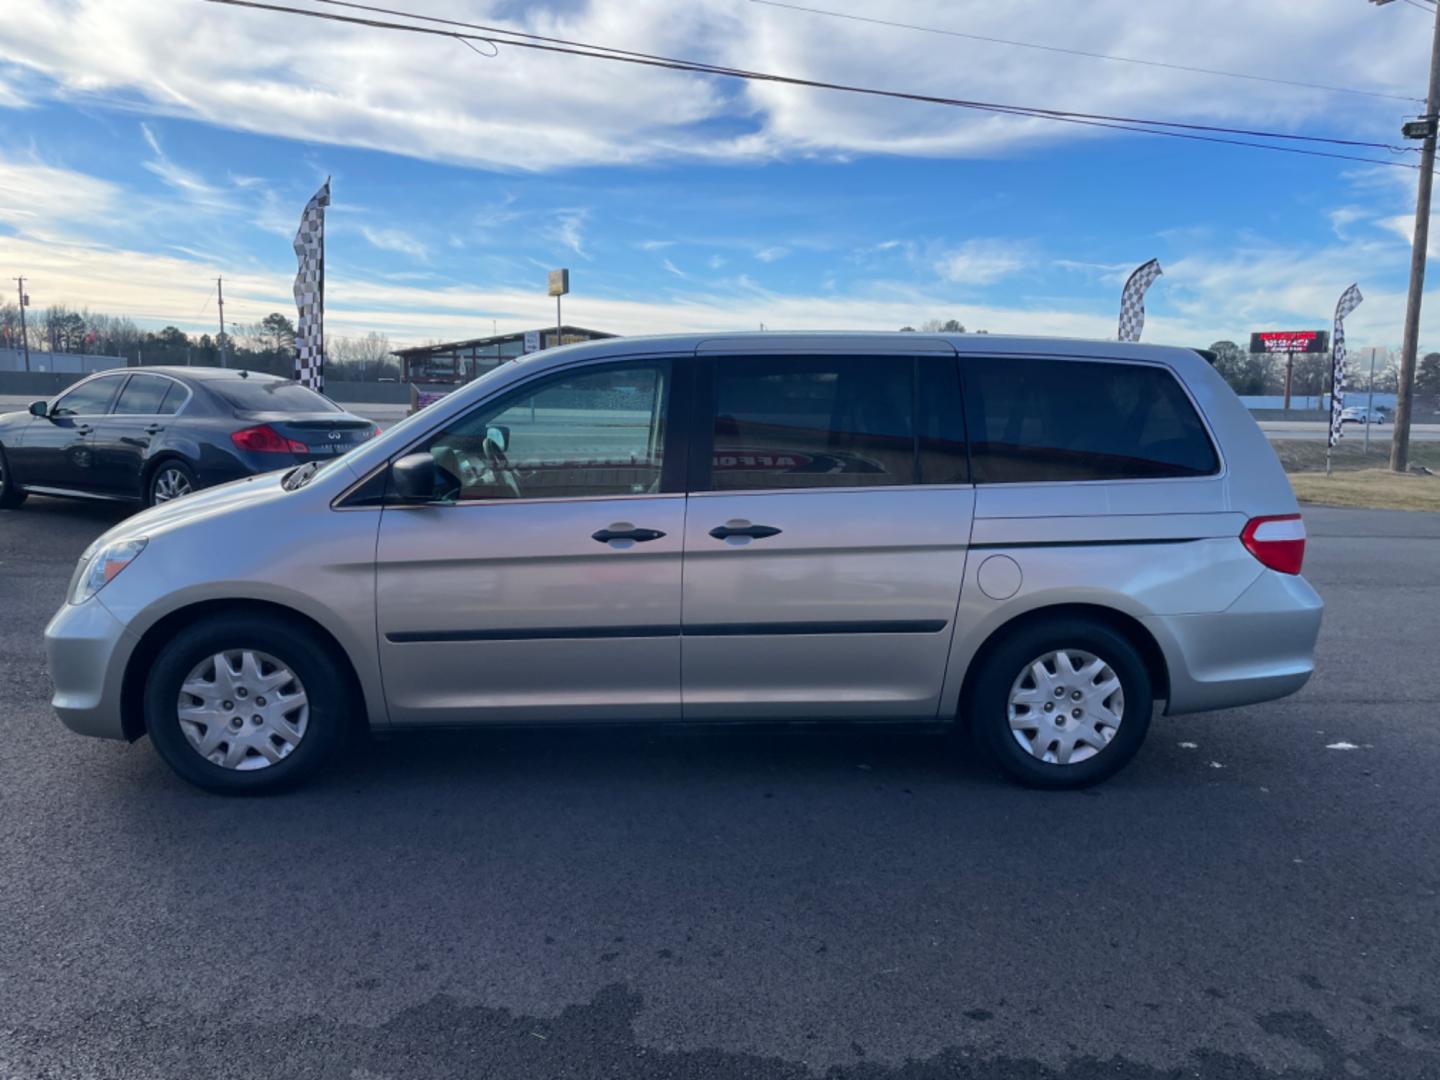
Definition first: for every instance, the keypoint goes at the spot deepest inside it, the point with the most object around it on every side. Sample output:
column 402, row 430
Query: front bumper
column 88, row 649
column 1259, row 648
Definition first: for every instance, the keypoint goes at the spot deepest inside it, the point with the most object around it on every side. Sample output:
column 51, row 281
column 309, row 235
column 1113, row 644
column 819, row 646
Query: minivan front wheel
column 1063, row 704
column 244, row 704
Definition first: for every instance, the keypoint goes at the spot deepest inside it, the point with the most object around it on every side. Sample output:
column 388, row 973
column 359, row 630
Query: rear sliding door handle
column 754, row 532
column 626, row 532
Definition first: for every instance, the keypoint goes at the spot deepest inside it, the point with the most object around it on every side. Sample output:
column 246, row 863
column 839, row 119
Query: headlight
column 99, row 566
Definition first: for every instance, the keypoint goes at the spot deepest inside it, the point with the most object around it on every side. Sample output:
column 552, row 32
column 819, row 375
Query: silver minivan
column 1038, row 540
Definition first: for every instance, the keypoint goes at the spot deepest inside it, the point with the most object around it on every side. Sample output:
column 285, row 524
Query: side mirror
column 415, row 478
column 498, row 435
column 40, row 408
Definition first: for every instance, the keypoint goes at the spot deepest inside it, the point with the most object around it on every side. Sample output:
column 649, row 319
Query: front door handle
column 84, row 429
column 626, row 531
column 154, row 429
column 755, row 532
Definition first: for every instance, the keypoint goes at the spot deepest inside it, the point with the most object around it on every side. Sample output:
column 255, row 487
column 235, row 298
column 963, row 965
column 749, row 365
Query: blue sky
column 184, row 149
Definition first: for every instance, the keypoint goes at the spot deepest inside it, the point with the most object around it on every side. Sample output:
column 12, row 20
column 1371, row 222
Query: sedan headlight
column 100, row 564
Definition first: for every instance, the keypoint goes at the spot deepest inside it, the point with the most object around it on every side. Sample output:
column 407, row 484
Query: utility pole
column 1400, row 440
column 24, row 336
column 220, row 299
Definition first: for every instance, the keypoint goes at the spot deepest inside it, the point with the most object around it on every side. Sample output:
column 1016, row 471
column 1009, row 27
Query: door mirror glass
column 39, row 408
column 418, row 478
column 498, row 435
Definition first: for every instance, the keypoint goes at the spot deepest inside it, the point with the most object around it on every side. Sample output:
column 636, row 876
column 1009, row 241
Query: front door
column 545, row 584
column 58, row 451
column 829, row 518
column 122, row 438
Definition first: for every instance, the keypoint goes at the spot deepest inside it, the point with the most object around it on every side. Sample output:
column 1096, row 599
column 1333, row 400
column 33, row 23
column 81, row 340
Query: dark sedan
column 153, row 434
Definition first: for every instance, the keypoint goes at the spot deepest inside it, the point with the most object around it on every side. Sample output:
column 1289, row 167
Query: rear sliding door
column 830, row 509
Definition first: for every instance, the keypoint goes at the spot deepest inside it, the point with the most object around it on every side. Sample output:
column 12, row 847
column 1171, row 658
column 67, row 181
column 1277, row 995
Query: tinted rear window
column 813, row 422
column 1058, row 420
column 271, row 395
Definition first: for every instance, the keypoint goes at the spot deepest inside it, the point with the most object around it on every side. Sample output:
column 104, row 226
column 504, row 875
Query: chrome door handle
column 623, row 531
column 755, row 532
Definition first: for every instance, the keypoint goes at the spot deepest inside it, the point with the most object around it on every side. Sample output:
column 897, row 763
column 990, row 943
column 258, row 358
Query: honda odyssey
column 1040, row 541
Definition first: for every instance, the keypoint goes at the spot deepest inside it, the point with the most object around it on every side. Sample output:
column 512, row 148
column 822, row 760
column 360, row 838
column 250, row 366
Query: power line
column 517, row 39
column 719, row 69
column 1082, row 52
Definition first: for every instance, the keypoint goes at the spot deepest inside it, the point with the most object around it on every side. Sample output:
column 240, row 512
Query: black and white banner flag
column 1349, row 301
column 1132, row 300
column 310, row 292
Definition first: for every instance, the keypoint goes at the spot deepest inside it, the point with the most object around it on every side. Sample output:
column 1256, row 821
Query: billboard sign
column 532, row 341
column 1290, row 341
column 559, row 282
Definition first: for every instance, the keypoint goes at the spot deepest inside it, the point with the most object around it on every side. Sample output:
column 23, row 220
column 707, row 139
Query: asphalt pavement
column 1256, row 895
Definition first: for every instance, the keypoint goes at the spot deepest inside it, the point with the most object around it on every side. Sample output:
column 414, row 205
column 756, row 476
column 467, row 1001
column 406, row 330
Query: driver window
column 87, row 399
column 594, row 432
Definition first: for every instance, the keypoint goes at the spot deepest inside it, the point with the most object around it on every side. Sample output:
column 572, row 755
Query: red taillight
column 375, row 432
column 266, row 440
column 1278, row 542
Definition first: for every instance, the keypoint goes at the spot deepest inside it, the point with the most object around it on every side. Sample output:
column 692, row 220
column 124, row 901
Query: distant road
column 1309, row 430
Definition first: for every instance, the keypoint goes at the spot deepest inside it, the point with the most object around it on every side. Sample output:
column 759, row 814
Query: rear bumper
column 88, row 648
column 1259, row 648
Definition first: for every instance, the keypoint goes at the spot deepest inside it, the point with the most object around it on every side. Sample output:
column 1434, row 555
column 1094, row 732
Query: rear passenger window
column 813, row 422
column 142, row 396
column 1058, row 420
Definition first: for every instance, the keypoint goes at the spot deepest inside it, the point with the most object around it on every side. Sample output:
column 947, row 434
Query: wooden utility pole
column 1400, row 440
column 220, row 299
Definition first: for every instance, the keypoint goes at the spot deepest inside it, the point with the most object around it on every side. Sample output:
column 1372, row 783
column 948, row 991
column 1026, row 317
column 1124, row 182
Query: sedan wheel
column 170, row 482
column 243, row 710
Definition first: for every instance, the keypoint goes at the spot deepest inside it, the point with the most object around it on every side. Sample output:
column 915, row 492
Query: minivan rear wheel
column 245, row 704
column 1061, row 704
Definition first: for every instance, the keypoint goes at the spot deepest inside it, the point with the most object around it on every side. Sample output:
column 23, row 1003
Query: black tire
column 11, row 496
column 318, row 671
column 163, row 472
column 1004, row 664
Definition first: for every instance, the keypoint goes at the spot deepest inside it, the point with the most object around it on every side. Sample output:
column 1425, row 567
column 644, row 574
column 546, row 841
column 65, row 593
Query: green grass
column 1308, row 455
column 1373, row 488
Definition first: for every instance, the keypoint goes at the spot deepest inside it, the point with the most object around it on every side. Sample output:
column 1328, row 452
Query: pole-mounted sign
column 559, row 286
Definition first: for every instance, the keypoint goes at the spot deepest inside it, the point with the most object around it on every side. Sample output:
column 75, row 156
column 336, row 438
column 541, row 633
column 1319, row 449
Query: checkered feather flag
column 1349, row 301
column 1132, row 300
column 310, row 292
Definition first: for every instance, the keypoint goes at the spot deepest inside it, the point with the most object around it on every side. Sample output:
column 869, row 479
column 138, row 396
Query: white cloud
column 772, row 254
column 569, row 231
column 671, row 268
column 45, row 200
column 715, row 262
column 433, row 98
column 187, row 183
column 655, row 245
column 396, row 240
column 981, row 262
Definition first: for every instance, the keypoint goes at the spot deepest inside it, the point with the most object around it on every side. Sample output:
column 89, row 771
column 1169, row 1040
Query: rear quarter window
column 1070, row 420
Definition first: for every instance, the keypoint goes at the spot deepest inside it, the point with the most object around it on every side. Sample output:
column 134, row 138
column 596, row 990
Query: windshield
column 272, row 395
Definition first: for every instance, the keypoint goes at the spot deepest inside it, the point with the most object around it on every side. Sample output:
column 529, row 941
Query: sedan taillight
column 264, row 439
column 1278, row 542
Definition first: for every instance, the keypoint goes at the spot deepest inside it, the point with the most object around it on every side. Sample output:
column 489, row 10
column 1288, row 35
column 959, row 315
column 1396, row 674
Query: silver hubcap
column 243, row 709
column 1066, row 706
column 171, row 484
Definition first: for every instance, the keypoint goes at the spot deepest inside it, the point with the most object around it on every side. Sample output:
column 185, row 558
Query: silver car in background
column 1037, row 539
